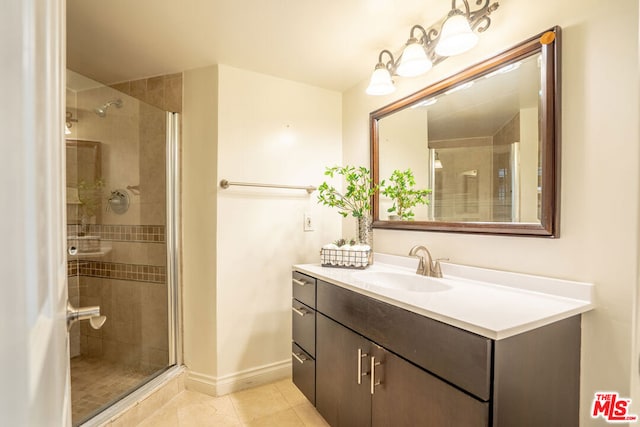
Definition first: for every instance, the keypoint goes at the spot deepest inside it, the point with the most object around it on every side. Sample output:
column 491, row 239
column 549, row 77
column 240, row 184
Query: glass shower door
column 117, row 220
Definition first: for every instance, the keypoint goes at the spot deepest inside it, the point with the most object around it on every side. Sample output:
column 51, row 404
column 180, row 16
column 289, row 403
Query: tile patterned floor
column 95, row 383
column 279, row 404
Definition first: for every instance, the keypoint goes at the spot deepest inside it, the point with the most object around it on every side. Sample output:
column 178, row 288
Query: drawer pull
column 373, row 374
column 361, row 355
column 299, row 282
column 300, row 311
column 299, row 357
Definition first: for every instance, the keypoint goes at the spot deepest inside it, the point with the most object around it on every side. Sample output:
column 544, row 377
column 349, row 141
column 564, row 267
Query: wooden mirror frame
column 547, row 43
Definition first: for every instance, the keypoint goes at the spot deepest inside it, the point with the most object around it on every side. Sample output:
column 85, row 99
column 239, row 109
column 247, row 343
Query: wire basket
column 345, row 258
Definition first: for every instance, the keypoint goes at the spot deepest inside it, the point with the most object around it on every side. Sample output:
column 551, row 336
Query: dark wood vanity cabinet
column 393, row 393
column 428, row 373
column 342, row 390
column 303, row 347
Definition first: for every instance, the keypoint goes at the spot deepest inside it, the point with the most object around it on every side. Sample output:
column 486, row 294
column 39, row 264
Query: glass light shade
column 380, row 83
column 456, row 36
column 414, row 61
column 67, row 131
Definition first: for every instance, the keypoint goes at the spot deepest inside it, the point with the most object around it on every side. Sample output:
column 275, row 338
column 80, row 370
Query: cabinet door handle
column 373, row 373
column 299, row 357
column 299, row 282
column 300, row 311
column 361, row 374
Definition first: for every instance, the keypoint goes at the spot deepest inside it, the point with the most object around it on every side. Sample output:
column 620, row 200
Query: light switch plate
column 308, row 224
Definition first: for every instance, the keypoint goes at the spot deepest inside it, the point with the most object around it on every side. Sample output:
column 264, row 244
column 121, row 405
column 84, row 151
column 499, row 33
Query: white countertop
column 494, row 304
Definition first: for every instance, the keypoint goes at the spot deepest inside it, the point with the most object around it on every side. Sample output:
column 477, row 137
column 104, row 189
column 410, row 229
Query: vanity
column 388, row 347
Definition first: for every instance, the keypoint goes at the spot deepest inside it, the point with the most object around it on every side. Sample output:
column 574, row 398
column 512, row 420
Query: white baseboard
column 218, row 386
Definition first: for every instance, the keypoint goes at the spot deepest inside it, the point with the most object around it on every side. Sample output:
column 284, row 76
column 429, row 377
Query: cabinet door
column 339, row 398
column 409, row 396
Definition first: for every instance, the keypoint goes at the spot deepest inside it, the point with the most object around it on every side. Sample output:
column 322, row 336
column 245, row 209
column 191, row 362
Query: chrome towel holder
column 309, row 189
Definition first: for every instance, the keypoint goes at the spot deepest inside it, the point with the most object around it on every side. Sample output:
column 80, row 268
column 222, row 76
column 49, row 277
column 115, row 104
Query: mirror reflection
column 475, row 146
column 483, row 145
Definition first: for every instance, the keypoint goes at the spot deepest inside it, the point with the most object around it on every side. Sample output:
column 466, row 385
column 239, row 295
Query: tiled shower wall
column 130, row 286
column 163, row 92
column 129, row 283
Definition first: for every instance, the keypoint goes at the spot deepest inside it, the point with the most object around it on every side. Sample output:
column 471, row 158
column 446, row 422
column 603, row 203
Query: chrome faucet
column 426, row 267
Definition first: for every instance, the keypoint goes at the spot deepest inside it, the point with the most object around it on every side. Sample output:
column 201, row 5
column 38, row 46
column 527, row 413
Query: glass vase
column 365, row 233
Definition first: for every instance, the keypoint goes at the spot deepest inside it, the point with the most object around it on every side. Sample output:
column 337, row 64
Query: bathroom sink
column 401, row 281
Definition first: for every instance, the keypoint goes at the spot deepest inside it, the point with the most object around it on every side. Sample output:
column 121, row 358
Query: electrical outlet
column 308, row 224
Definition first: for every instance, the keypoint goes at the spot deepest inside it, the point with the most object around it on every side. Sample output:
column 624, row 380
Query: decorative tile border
column 122, row 233
column 118, row 271
column 72, row 269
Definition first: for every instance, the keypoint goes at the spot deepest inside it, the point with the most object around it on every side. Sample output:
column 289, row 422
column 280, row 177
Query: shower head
column 102, row 110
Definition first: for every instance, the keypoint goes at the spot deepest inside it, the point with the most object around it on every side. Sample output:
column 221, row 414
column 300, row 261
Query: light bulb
column 456, row 36
column 414, row 60
column 380, row 83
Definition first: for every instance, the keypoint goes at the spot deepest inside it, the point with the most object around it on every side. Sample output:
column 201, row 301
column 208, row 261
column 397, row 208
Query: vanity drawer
column 304, row 326
column 304, row 372
column 304, row 289
column 460, row 357
column 343, row 306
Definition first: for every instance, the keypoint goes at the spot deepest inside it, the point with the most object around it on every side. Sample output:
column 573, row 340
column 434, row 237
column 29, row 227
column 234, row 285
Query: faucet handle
column 437, row 270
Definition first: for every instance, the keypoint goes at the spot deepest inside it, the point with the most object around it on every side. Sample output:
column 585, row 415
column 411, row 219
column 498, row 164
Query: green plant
column 90, row 195
column 357, row 198
column 404, row 196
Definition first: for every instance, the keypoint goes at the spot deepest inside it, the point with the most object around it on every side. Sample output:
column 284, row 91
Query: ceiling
column 333, row 44
column 485, row 107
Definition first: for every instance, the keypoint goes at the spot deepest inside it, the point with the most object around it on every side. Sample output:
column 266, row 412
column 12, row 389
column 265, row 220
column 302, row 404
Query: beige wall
column 199, row 213
column 240, row 243
column 273, row 131
column 600, row 162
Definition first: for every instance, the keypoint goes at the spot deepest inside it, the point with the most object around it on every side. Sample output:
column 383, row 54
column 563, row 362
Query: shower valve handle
column 90, row 313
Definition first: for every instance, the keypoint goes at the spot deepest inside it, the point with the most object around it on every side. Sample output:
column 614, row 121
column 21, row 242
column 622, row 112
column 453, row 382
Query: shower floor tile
column 96, row 383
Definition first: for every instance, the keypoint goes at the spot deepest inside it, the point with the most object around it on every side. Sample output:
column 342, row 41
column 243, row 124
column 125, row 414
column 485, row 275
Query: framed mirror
column 84, row 181
column 484, row 142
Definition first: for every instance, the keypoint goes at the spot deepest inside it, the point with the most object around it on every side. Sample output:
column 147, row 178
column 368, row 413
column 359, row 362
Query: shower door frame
column 174, row 301
column 173, row 237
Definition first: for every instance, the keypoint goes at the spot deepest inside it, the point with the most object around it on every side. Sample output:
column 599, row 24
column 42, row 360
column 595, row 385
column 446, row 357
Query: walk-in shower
column 123, row 258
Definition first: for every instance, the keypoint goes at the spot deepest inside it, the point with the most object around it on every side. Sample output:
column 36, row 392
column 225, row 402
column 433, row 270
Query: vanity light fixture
column 381, row 82
column 414, row 59
column 457, row 36
column 452, row 37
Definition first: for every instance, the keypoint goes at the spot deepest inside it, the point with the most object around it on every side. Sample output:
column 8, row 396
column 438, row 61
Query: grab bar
column 309, row 189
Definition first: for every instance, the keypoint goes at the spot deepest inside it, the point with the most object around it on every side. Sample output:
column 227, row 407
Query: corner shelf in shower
column 89, row 255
